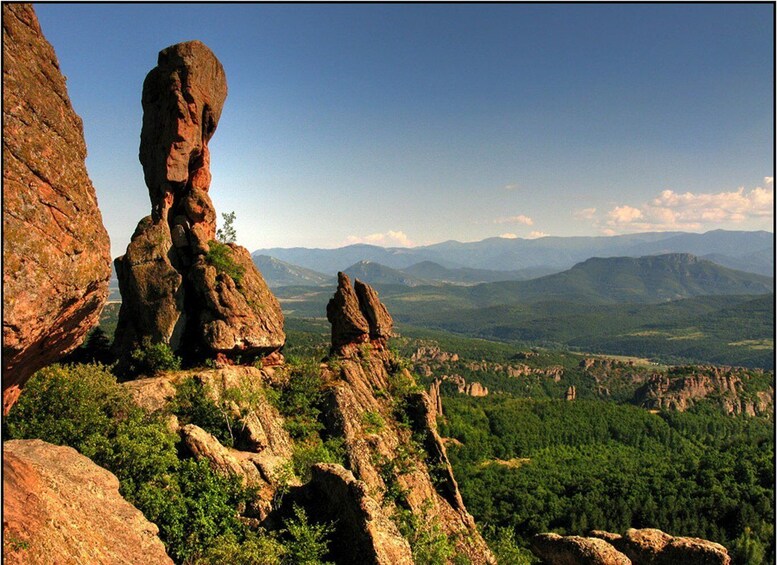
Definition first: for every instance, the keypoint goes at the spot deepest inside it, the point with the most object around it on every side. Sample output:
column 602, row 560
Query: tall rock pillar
column 179, row 286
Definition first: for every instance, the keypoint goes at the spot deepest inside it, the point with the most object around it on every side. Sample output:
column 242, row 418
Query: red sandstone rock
column 344, row 313
column 56, row 259
column 203, row 298
column 59, row 507
column 378, row 318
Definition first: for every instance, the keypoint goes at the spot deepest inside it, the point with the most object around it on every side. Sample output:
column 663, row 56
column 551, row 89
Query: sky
column 405, row 125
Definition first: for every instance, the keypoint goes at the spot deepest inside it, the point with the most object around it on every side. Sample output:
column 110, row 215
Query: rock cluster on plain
column 725, row 384
column 56, row 258
column 59, row 507
column 357, row 315
column 178, row 284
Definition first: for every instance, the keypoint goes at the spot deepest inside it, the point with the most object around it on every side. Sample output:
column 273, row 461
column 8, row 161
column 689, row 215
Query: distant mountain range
column 749, row 251
column 279, row 273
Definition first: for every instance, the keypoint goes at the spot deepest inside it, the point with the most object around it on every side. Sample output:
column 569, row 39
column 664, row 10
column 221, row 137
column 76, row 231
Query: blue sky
column 413, row 124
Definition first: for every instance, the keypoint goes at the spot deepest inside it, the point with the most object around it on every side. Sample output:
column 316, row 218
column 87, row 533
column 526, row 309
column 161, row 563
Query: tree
column 227, row 232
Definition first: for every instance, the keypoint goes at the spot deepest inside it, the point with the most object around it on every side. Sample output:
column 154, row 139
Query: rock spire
column 357, row 315
column 179, row 286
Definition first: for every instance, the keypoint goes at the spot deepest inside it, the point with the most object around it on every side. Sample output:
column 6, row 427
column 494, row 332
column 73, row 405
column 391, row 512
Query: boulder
column 650, row 546
column 179, row 286
column 59, row 507
column 56, row 253
column 576, row 550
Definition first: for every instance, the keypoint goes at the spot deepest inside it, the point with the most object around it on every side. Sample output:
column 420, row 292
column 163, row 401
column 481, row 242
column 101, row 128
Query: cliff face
column 179, row 285
column 56, row 258
column 59, row 507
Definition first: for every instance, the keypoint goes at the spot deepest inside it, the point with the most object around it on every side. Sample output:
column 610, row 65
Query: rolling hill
column 279, row 273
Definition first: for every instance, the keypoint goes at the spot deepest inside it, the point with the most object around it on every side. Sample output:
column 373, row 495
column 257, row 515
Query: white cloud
column 535, row 234
column 512, row 186
column 520, row 219
column 585, row 213
column 388, row 239
column 672, row 210
column 509, row 236
column 623, row 215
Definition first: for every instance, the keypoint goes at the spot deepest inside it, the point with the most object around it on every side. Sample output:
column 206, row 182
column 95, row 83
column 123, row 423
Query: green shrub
column 502, row 543
column 255, row 549
column 372, row 422
column 428, row 541
column 220, row 256
column 307, row 543
column 313, row 451
column 299, row 400
column 76, row 405
column 193, row 404
column 152, row 358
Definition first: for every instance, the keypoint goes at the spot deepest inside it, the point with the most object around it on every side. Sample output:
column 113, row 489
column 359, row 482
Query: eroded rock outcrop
column 650, row 546
column 56, row 257
column 59, row 507
column 365, row 386
column 179, row 286
column 647, row 546
column 344, row 312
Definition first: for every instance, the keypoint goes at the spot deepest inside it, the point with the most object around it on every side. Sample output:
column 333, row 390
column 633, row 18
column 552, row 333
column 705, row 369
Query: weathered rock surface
column 56, row 258
column 59, row 507
column 345, row 314
column 365, row 535
column 641, row 547
column 571, row 393
column 378, row 318
column 178, row 285
column 434, row 394
column 576, row 550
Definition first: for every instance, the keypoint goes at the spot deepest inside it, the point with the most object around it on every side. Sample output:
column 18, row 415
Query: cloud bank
column 674, row 211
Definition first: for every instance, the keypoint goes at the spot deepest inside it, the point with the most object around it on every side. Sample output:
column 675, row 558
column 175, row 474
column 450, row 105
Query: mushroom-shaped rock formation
column 179, row 286
column 56, row 257
column 357, row 315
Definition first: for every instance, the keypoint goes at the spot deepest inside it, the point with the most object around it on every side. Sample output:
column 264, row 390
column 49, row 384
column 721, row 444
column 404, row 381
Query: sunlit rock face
column 178, row 285
column 56, row 253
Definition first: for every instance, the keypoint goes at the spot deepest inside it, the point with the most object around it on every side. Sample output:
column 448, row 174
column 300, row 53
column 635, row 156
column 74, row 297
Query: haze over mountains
column 749, row 251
